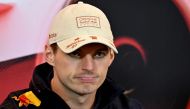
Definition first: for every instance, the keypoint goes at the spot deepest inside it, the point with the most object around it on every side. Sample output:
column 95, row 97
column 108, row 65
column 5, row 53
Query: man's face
column 82, row 71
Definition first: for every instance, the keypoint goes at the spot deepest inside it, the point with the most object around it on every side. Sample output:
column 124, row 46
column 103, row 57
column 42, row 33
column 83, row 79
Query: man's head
column 83, row 41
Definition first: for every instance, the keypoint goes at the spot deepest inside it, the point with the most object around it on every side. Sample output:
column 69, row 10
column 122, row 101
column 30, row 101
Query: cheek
column 62, row 62
column 65, row 67
column 104, row 64
column 63, row 71
column 102, row 67
column 61, row 65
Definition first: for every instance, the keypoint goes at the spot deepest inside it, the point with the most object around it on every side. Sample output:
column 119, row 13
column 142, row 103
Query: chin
column 87, row 90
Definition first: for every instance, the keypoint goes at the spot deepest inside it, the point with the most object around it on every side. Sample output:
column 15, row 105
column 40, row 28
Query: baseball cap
column 79, row 24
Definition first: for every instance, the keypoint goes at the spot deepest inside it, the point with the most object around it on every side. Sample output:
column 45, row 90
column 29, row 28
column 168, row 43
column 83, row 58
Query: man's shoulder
column 12, row 100
column 134, row 104
column 126, row 102
column 18, row 92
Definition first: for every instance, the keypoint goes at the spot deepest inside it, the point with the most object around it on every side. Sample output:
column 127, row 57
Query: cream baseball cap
column 79, row 24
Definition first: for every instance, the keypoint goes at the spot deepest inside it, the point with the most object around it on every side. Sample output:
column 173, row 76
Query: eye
column 75, row 54
column 101, row 54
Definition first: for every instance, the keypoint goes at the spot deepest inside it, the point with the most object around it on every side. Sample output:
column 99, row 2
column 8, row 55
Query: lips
column 87, row 78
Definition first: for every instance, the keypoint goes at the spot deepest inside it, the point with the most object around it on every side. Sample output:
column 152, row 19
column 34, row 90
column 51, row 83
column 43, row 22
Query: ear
column 49, row 55
column 112, row 56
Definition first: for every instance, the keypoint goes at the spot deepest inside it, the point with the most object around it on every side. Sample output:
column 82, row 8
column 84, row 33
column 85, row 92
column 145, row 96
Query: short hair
column 54, row 47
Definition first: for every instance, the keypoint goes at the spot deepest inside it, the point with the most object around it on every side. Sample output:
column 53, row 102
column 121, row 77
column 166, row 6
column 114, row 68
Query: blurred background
column 152, row 37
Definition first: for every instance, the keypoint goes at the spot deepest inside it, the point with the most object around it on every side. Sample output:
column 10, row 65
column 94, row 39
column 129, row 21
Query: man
column 78, row 55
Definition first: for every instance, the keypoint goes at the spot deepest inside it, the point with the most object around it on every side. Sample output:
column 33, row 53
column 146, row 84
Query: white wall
column 23, row 29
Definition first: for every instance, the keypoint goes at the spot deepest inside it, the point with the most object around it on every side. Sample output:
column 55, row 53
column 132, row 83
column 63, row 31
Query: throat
column 81, row 102
column 73, row 100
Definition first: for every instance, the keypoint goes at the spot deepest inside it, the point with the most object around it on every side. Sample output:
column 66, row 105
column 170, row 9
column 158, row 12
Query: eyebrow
column 103, row 49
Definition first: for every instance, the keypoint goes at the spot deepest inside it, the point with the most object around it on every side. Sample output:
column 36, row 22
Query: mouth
column 87, row 78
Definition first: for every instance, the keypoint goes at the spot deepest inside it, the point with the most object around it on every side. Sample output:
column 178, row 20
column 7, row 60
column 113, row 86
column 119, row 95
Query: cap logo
column 88, row 21
column 52, row 35
column 93, row 37
column 75, row 43
column 26, row 99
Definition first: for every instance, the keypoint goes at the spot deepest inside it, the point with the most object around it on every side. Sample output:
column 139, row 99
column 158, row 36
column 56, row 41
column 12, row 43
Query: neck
column 81, row 102
column 74, row 100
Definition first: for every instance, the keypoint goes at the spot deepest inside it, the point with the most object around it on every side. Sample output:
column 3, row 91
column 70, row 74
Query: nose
column 87, row 63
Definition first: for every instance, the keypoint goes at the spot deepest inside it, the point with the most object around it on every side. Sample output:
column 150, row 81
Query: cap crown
column 79, row 20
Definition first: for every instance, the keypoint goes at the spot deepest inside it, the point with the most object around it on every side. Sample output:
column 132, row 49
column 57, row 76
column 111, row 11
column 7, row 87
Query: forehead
column 93, row 47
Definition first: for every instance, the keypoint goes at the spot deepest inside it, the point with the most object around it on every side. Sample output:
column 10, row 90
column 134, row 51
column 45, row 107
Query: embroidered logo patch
column 27, row 98
column 75, row 43
column 88, row 21
column 52, row 35
column 93, row 37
